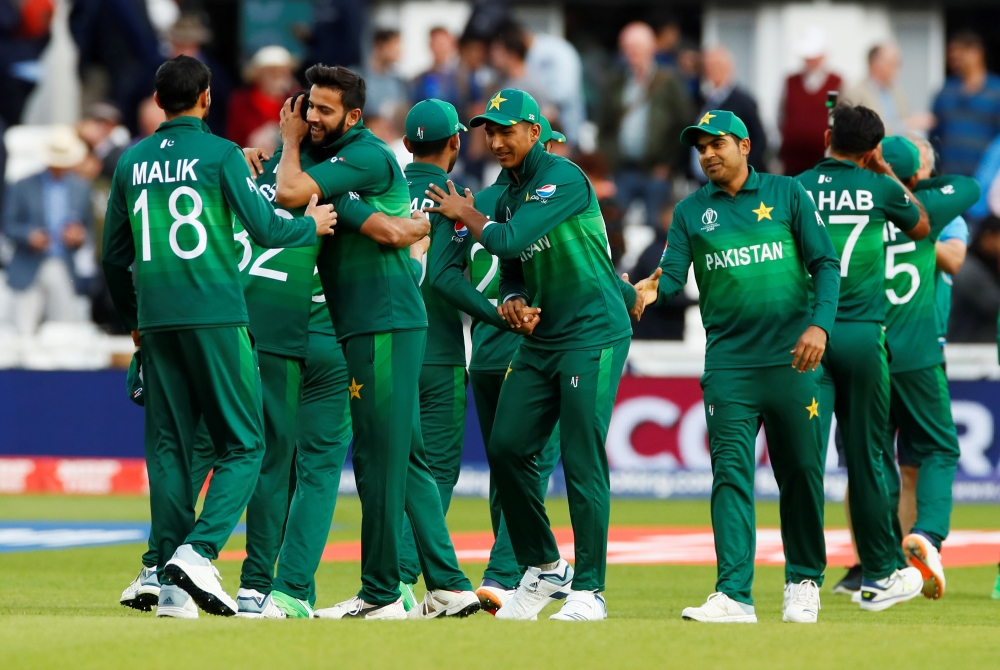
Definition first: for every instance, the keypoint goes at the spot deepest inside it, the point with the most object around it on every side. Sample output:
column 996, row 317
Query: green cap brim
column 689, row 136
column 495, row 117
column 558, row 137
column 462, row 128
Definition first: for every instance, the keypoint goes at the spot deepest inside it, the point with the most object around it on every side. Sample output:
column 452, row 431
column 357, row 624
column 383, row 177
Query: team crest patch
column 460, row 229
column 709, row 220
column 546, row 191
column 420, row 132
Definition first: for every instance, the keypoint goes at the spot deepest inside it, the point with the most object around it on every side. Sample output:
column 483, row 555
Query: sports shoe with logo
column 356, row 608
column 291, row 606
column 492, row 596
column 252, row 604
column 195, row 574
column 900, row 586
column 582, row 606
column 144, row 591
column 175, row 603
column 924, row 556
column 537, row 589
column 720, row 608
column 801, row 602
column 443, row 603
column 851, row 583
column 408, row 596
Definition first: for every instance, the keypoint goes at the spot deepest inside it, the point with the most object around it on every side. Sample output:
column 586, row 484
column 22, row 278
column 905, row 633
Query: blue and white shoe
column 900, row 586
column 537, row 589
column 252, row 604
column 176, row 603
column 195, row 574
column 582, row 606
column 144, row 591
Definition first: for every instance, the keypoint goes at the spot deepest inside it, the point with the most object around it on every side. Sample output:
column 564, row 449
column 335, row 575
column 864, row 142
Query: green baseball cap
column 902, row 156
column 547, row 133
column 431, row 120
column 133, row 381
column 715, row 122
column 509, row 106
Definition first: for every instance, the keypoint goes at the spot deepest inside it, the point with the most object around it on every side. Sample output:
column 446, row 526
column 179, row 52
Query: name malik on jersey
column 182, row 170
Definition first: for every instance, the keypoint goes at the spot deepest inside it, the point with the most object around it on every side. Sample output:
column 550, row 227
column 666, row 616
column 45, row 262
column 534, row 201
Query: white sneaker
column 803, row 605
column 898, row 587
column 195, row 574
column 856, row 597
column 537, row 589
column 492, row 598
column 582, row 606
column 175, row 603
column 144, row 591
column 252, row 604
column 441, row 602
column 720, row 608
column 356, row 608
column 924, row 556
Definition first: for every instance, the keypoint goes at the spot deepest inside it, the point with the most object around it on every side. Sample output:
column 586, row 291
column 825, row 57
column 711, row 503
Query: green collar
column 530, row 166
column 354, row 133
column 192, row 122
column 829, row 162
column 424, row 168
column 751, row 184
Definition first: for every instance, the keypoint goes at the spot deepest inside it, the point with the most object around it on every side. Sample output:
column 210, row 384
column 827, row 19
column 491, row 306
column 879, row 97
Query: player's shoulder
column 779, row 182
column 561, row 170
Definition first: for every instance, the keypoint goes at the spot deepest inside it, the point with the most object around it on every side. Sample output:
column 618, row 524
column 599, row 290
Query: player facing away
column 856, row 193
column 378, row 314
column 173, row 200
column 548, row 231
column 754, row 240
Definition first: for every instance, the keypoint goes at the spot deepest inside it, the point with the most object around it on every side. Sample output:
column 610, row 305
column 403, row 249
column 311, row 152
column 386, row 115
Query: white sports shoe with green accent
column 408, row 597
column 720, row 608
column 356, row 608
column 292, row 606
column 582, row 606
column 444, row 603
column 144, row 591
column 175, row 603
column 537, row 589
column 801, row 602
column 253, row 604
column 900, row 586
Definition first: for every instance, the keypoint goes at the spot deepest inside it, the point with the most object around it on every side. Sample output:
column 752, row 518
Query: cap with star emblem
column 547, row 134
column 509, row 106
column 715, row 122
column 902, row 156
column 431, row 120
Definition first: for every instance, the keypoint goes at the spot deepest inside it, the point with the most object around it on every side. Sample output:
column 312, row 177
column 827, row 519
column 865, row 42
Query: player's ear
column 156, row 99
column 745, row 146
column 827, row 134
column 353, row 117
column 406, row 143
column 455, row 143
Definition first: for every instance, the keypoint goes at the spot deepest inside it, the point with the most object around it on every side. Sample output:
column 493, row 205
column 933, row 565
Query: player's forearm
column 512, row 282
column 456, row 290
column 826, row 282
column 293, row 187
column 950, row 255
column 394, row 231
column 923, row 227
column 628, row 293
column 122, row 290
column 474, row 220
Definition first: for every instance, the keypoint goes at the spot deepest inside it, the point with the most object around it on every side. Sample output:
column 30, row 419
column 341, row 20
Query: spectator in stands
column 595, row 166
column 666, row 321
column 386, row 90
column 881, row 92
column 644, row 111
column 150, row 117
column 967, row 109
column 689, row 67
column 24, row 33
column 188, row 36
column 803, row 113
column 49, row 217
column 719, row 90
column 975, row 293
column 441, row 80
column 257, row 106
column 556, row 65
column 668, row 39
column 335, row 32
column 509, row 53
column 107, row 140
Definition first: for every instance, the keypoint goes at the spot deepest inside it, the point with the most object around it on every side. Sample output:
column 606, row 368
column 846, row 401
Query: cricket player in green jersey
column 381, row 323
column 174, row 197
column 548, row 231
column 856, row 193
column 754, row 240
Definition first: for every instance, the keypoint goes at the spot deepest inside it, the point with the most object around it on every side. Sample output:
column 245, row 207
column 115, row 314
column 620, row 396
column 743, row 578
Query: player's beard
column 336, row 133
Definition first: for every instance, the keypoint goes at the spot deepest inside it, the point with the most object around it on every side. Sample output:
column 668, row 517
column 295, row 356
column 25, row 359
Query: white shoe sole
column 206, row 593
column 144, row 600
column 688, row 615
column 788, row 619
column 465, row 607
column 175, row 613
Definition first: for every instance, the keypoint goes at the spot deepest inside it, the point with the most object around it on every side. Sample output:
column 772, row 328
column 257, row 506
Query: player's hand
column 420, row 247
column 877, row 162
column 450, row 202
column 646, row 292
column 528, row 326
column 519, row 317
column 254, row 158
column 292, row 128
column 135, row 338
column 324, row 216
column 425, row 223
column 808, row 351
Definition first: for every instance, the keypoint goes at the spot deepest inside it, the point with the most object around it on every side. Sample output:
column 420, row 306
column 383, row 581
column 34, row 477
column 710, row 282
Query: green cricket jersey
column 910, row 265
column 174, row 197
column 370, row 288
column 549, row 233
column 855, row 204
column 319, row 314
column 753, row 254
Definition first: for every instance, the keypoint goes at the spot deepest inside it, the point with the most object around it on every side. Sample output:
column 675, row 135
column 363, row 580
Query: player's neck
column 847, row 159
column 195, row 112
column 442, row 161
column 733, row 186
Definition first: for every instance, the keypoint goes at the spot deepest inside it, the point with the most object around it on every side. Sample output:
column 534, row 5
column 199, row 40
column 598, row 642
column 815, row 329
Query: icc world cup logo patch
column 709, row 220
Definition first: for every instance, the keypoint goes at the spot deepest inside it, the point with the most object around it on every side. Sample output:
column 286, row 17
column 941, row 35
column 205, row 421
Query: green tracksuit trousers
column 577, row 389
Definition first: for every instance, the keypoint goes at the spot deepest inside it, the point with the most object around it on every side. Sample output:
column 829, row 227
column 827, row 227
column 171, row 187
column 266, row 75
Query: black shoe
column 851, row 583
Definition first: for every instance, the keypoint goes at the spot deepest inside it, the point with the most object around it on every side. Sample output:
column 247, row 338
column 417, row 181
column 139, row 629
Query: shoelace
column 216, row 571
column 718, row 595
column 806, row 595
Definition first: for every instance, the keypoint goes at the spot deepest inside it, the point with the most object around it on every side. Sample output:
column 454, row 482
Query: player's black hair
column 179, row 82
column 968, row 38
column 383, row 35
column 856, row 129
column 350, row 84
column 432, row 148
column 511, row 38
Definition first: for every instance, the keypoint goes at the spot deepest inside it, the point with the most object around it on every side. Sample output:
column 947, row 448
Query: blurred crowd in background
column 621, row 111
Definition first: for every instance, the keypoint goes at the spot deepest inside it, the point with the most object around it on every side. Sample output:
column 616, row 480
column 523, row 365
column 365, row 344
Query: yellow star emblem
column 355, row 389
column 763, row 212
column 509, row 370
column 813, row 409
column 708, row 117
column 495, row 101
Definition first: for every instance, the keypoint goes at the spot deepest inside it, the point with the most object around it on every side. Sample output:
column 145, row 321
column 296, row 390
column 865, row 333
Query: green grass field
column 60, row 609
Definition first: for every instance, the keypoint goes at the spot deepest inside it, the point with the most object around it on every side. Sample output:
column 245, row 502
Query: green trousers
column 442, row 426
column 577, row 389
column 324, row 435
column 737, row 403
column 281, row 381
column 503, row 567
column 190, row 375
column 920, row 407
column 856, row 379
column 390, row 466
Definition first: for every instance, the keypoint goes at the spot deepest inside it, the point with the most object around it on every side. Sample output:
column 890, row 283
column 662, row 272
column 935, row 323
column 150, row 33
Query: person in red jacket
column 253, row 109
column 803, row 113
